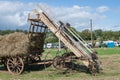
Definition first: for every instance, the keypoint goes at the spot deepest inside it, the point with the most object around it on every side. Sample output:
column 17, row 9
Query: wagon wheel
column 59, row 62
column 15, row 65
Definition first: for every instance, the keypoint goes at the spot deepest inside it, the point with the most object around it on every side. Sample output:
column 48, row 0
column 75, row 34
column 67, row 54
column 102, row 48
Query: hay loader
column 72, row 41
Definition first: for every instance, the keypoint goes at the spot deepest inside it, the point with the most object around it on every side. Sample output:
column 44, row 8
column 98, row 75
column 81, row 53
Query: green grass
column 54, row 52
column 51, row 73
column 101, row 51
column 108, row 51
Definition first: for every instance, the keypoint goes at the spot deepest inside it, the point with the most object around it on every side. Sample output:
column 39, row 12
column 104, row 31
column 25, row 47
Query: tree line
column 4, row 32
column 98, row 35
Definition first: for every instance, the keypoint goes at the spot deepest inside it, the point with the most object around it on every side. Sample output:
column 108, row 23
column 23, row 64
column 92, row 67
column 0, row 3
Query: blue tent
column 110, row 44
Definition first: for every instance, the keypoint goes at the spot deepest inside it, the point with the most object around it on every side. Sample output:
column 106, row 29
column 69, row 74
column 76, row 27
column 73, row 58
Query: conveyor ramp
column 69, row 37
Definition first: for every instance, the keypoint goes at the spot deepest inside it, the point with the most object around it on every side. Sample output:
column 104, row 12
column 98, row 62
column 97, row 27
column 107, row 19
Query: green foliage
column 50, row 38
column 98, row 32
column 107, row 35
column 98, row 35
column 4, row 32
column 110, row 35
column 73, row 29
column 85, row 34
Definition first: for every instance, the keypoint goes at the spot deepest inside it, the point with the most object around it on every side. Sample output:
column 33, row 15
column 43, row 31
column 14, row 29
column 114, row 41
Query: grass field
column 108, row 51
column 110, row 58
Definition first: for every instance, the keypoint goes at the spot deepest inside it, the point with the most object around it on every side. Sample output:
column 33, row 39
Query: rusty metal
column 59, row 62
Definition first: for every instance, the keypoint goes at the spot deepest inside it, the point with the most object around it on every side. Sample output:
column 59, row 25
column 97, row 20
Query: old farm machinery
column 39, row 24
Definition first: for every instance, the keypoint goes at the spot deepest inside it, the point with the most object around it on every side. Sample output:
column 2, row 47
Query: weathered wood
column 42, row 62
column 35, row 20
column 53, row 27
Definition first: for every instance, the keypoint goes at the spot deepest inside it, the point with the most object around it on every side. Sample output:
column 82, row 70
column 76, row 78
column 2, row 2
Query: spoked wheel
column 59, row 62
column 15, row 65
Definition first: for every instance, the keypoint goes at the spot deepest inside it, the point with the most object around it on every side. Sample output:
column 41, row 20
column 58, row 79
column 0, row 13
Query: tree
column 98, row 33
column 107, row 35
column 50, row 38
column 85, row 34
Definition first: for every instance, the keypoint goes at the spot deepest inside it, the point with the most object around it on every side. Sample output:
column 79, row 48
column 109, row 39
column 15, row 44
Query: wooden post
column 91, row 31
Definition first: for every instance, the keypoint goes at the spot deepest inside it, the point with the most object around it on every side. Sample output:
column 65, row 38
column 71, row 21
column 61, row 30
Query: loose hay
column 1, row 37
column 18, row 44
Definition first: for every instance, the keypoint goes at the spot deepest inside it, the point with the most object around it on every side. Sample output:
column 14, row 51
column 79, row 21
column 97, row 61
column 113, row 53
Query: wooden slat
column 42, row 62
column 35, row 20
column 53, row 27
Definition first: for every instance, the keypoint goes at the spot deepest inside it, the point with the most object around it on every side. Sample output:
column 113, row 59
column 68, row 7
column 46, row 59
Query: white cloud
column 76, row 15
column 102, row 9
column 76, row 7
column 9, row 7
column 14, row 14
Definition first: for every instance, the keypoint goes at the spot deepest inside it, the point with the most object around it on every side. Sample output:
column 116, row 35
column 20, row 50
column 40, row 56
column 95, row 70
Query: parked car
column 116, row 43
column 62, row 45
column 50, row 45
column 45, row 46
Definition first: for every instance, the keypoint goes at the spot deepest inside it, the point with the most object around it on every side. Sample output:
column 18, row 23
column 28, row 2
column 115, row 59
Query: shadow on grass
column 32, row 68
column 76, row 67
column 69, row 68
column 3, row 69
column 27, row 69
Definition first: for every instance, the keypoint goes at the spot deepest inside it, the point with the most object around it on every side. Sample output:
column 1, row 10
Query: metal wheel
column 15, row 65
column 93, row 69
column 59, row 62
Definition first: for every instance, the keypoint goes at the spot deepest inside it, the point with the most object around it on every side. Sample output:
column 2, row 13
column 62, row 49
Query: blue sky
column 94, row 3
column 105, row 13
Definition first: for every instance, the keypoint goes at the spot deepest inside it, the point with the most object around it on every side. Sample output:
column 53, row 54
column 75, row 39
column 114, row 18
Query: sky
column 105, row 14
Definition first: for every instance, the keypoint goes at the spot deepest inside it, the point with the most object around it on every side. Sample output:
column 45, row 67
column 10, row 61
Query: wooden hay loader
column 72, row 41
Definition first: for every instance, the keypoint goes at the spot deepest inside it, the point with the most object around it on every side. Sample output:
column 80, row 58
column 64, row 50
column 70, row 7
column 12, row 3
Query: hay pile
column 18, row 44
column 1, row 37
